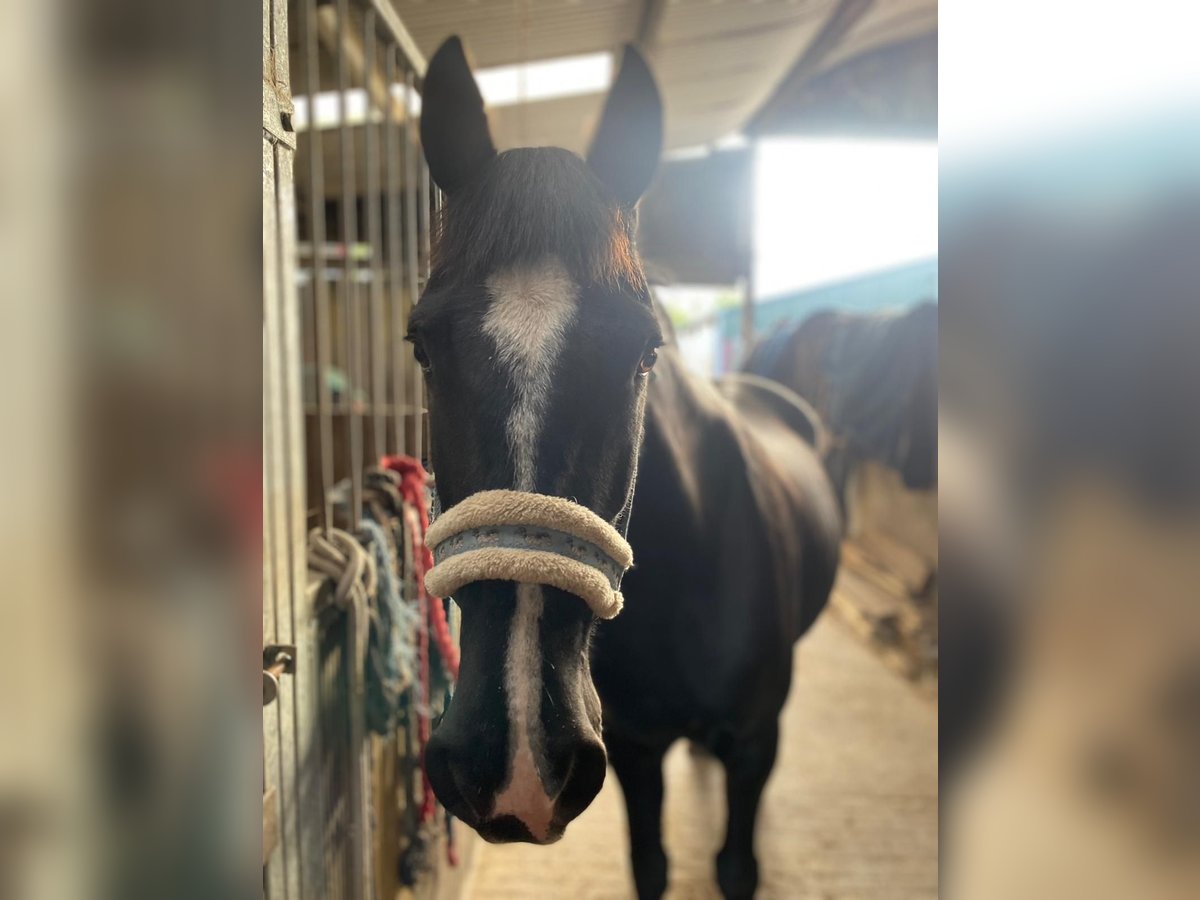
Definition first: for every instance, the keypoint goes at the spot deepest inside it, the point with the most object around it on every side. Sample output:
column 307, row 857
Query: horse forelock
column 532, row 204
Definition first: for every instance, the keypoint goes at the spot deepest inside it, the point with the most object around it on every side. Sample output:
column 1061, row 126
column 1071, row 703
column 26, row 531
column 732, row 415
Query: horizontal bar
column 404, row 41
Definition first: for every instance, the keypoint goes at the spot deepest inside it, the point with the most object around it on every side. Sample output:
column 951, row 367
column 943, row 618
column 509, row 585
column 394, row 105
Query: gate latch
column 278, row 659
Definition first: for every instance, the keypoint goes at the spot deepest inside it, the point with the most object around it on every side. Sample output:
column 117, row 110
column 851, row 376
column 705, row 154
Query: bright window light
column 570, row 76
column 697, row 151
column 826, row 210
column 1028, row 70
column 546, row 79
column 326, row 109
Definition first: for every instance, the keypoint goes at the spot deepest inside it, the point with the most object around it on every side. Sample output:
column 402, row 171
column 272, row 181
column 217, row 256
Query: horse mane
column 532, row 203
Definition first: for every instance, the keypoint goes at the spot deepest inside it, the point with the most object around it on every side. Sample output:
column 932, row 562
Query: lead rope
column 413, row 488
column 424, row 698
column 391, row 645
column 341, row 559
column 454, row 631
column 413, row 481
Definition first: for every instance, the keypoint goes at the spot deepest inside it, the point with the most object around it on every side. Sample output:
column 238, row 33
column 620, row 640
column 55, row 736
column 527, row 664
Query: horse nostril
column 514, row 804
column 450, row 782
column 585, row 777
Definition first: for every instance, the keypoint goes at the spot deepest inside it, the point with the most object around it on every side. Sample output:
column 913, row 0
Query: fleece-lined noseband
column 530, row 538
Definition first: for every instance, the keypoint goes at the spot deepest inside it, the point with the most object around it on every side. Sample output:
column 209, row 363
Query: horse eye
column 420, row 355
column 649, row 358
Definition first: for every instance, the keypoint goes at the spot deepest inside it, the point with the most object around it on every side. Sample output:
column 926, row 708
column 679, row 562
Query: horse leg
column 748, row 764
column 639, row 769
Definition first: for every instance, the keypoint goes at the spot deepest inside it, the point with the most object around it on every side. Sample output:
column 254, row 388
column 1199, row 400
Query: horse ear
column 454, row 127
column 628, row 142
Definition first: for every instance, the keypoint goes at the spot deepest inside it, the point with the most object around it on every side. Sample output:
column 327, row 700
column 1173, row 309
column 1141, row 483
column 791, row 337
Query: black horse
column 872, row 378
column 735, row 533
column 538, row 336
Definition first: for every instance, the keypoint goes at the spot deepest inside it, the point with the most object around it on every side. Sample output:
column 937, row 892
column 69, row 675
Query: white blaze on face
column 531, row 309
column 530, row 312
column 524, row 795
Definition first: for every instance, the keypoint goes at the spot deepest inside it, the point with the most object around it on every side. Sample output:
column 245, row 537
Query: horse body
column 539, row 342
column 735, row 531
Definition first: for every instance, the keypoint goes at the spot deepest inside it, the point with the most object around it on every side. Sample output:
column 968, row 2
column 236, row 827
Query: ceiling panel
column 503, row 32
column 889, row 22
column 717, row 61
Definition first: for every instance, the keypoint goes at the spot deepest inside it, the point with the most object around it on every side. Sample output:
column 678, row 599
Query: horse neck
column 686, row 420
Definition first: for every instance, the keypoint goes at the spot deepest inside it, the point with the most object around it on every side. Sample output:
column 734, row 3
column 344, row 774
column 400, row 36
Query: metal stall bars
column 289, row 712
column 346, row 253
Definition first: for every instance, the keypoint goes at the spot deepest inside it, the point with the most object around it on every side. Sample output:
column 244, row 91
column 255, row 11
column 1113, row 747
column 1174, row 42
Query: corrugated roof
column 720, row 64
column 717, row 61
column 502, row 32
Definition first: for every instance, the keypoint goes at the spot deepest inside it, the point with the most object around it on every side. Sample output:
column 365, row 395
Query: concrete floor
column 850, row 811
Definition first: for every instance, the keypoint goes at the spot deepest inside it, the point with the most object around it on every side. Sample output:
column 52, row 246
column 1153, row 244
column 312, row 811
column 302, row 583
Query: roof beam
column 844, row 16
column 649, row 24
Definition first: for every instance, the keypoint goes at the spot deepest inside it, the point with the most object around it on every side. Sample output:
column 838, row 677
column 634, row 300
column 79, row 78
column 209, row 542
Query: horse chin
column 511, row 830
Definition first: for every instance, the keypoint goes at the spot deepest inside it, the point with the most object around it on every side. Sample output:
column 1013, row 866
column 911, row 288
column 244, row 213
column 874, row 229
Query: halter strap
column 531, row 538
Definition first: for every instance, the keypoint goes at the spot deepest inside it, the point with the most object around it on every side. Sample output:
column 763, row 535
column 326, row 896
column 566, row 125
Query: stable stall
column 358, row 660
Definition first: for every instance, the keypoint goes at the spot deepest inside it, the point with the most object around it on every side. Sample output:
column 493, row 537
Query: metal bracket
column 278, row 110
column 278, row 659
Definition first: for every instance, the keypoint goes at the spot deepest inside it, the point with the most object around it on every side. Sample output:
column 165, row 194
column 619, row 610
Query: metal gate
column 348, row 208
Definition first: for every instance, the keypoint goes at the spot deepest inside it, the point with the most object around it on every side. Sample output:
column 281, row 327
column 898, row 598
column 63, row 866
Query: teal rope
column 392, row 645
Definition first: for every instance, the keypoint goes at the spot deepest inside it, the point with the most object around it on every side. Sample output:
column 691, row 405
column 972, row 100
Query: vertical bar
column 395, row 264
column 360, row 860
column 274, row 746
column 322, row 349
column 437, row 200
column 411, row 173
column 297, row 694
column 746, row 241
column 350, row 305
column 374, row 204
column 311, row 797
column 419, row 387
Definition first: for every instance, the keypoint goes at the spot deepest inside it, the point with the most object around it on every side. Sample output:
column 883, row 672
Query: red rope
column 424, row 728
column 413, row 479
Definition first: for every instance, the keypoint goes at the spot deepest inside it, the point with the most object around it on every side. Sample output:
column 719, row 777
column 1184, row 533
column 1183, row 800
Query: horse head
column 536, row 334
